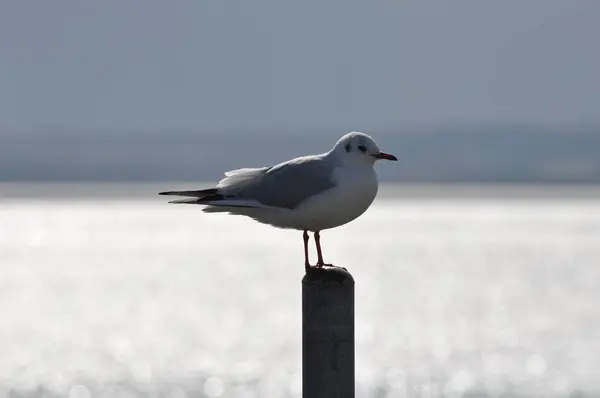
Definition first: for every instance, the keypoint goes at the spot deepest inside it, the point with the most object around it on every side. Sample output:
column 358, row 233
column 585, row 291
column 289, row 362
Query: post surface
column 328, row 333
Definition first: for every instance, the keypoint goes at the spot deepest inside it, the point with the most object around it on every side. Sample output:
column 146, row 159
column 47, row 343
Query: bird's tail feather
column 191, row 201
column 195, row 194
column 212, row 198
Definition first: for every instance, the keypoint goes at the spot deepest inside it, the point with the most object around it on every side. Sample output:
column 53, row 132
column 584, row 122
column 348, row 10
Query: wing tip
column 197, row 193
column 190, row 201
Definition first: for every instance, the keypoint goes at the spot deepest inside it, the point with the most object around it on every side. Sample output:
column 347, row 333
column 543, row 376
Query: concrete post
column 328, row 333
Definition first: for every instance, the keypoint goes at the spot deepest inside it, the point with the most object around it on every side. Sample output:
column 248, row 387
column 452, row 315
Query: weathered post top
column 328, row 333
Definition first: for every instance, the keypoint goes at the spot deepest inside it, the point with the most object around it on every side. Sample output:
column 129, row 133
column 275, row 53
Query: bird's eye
column 362, row 148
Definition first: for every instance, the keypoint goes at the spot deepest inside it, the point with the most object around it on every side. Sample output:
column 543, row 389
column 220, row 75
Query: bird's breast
column 352, row 195
column 357, row 189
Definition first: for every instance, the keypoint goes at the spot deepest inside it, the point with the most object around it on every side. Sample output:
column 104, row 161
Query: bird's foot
column 321, row 265
column 311, row 268
column 308, row 266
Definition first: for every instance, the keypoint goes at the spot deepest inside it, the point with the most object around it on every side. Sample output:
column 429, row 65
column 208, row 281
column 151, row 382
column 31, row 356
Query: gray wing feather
column 290, row 183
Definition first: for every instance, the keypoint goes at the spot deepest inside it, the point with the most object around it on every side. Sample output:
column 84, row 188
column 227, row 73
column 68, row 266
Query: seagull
column 309, row 193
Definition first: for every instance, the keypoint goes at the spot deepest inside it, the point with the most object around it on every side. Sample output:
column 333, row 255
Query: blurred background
column 476, row 268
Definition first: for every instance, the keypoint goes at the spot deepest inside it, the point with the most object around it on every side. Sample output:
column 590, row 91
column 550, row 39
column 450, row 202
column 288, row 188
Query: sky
column 200, row 65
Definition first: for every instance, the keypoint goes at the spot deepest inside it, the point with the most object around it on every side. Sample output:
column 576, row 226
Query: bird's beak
column 386, row 156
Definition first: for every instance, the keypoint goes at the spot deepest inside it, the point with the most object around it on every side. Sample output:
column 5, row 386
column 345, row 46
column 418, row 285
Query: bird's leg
column 320, row 262
column 305, row 237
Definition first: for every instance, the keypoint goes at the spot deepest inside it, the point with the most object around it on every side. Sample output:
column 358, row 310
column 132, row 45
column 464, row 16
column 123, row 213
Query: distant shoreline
column 387, row 190
column 495, row 154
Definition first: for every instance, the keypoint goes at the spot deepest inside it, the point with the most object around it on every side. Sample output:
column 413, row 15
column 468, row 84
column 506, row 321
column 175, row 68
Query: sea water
column 106, row 294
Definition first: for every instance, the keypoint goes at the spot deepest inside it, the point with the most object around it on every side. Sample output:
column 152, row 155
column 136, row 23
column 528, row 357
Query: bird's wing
column 283, row 186
column 236, row 180
column 291, row 183
column 233, row 183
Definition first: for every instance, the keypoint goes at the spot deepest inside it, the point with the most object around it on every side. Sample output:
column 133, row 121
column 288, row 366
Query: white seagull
column 309, row 193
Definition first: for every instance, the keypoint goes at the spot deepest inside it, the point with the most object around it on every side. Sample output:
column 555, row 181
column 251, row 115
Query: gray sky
column 115, row 65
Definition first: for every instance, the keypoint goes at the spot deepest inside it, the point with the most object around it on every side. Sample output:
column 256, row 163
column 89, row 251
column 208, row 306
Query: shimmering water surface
column 126, row 296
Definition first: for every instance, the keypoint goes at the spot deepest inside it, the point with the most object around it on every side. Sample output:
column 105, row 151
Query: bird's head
column 359, row 147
